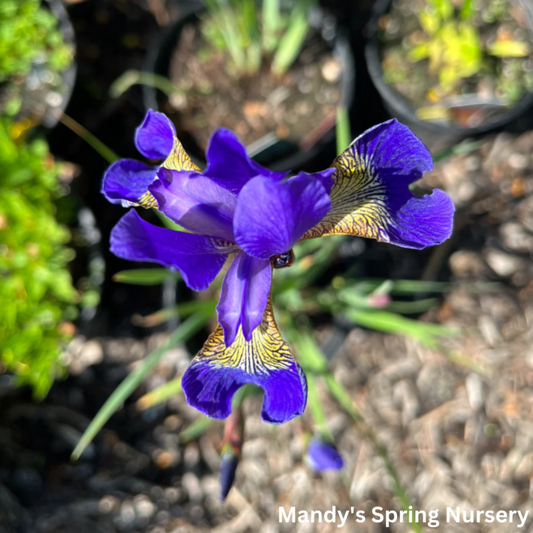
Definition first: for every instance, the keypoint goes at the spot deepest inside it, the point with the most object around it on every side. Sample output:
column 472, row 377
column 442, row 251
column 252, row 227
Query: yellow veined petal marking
column 358, row 200
column 265, row 352
column 178, row 159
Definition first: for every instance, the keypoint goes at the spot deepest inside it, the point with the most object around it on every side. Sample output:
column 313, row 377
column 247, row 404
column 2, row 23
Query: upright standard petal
column 199, row 259
column 218, row 371
column 371, row 198
column 229, row 164
column 154, row 138
column 127, row 181
column 272, row 216
column 244, row 296
column 195, row 202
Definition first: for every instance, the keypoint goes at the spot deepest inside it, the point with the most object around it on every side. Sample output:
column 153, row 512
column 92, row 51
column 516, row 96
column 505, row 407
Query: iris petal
column 217, row 372
column 127, row 180
column 323, row 456
column 371, row 197
column 229, row 164
column 199, row 259
column 154, row 138
column 270, row 217
column 195, row 202
column 243, row 296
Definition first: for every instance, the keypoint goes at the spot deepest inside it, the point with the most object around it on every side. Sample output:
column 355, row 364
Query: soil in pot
column 298, row 107
column 459, row 63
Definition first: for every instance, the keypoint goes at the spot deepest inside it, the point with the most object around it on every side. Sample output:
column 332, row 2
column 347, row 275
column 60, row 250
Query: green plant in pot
column 264, row 69
column 252, row 37
column 33, row 59
column 37, row 298
column 460, row 62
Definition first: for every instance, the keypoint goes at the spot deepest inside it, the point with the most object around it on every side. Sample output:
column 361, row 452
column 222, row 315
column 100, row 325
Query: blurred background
column 420, row 362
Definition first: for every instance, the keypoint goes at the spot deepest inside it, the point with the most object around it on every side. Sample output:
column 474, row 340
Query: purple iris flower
column 239, row 210
column 323, row 456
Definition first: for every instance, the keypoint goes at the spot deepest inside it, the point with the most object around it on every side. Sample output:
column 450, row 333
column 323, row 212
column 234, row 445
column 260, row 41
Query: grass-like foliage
column 252, row 33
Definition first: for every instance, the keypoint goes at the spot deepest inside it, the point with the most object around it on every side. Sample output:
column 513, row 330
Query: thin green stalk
column 89, row 138
column 317, row 412
column 126, row 388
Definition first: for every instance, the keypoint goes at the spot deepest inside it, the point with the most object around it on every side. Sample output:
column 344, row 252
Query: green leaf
column 159, row 395
column 467, row 10
column 444, row 8
column 429, row 21
column 418, row 53
column 169, row 224
column 317, row 410
column 226, row 19
column 144, row 276
column 344, row 135
column 426, row 334
column 196, row 429
column 310, row 355
column 291, row 43
column 343, row 397
column 509, row 48
column 271, row 24
column 185, row 331
column 419, row 306
column 136, row 77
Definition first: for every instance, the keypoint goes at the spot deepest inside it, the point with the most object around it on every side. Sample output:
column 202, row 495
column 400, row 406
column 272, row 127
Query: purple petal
column 229, row 164
column 210, row 387
column 394, row 149
column 371, row 197
column 272, row 216
column 422, row 222
column 326, row 178
column 217, row 372
column 154, row 138
column 127, row 180
column 199, row 259
column 195, row 202
column 323, row 456
column 243, row 296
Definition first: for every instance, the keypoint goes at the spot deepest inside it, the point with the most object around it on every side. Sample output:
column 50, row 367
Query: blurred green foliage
column 251, row 33
column 29, row 34
column 36, row 291
column 452, row 43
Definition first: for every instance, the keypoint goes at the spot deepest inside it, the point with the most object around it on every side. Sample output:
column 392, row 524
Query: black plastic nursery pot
column 269, row 150
column 434, row 134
